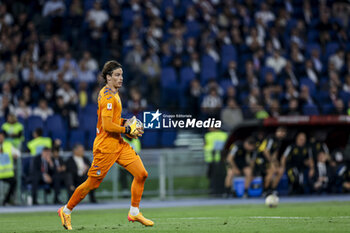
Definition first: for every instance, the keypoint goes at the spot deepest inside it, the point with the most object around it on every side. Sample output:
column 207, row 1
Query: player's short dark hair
column 109, row 67
column 282, row 128
column 250, row 140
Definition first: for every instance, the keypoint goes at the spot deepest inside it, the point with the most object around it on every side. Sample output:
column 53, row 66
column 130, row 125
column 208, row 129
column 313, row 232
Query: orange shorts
column 104, row 161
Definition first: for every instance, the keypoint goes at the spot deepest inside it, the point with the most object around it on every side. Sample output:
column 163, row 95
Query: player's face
column 301, row 139
column 116, row 79
column 249, row 147
column 280, row 133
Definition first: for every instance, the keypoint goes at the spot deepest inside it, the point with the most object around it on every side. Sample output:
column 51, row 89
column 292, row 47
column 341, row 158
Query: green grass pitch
column 301, row 217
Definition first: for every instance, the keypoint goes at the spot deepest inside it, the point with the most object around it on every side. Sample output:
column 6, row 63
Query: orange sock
column 140, row 175
column 79, row 194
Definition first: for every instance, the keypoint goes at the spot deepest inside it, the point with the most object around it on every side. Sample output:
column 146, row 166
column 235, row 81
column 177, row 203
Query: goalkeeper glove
column 132, row 128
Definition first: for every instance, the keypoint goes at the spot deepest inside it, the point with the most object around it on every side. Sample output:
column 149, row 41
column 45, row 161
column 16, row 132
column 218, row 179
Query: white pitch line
column 280, row 217
column 192, row 218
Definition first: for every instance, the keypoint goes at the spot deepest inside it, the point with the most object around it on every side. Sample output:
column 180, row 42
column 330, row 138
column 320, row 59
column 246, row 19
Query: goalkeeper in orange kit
column 109, row 148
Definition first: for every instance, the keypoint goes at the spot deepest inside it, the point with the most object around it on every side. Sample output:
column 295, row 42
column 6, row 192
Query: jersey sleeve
column 263, row 146
column 287, row 151
column 107, row 105
column 269, row 144
column 233, row 151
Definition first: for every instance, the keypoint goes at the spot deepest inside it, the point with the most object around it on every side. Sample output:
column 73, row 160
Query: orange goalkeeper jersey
column 109, row 104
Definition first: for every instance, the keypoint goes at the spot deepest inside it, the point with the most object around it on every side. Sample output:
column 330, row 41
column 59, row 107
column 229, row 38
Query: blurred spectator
column 60, row 107
column 74, row 18
column 68, row 94
column 231, row 73
column 134, row 59
column 310, row 72
column 38, row 142
column 265, row 14
column 338, row 59
column 214, row 141
column 271, row 87
column 177, row 42
column 275, row 108
column 267, row 162
column 49, row 93
column 31, row 91
column 8, row 153
column 136, row 104
column 90, row 63
column 68, row 72
column 66, row 103
column 212, row 84
column 53, row 11
column 6, row 92
column 83, row 94
column 97, row 17
column 297, row 161
column 43, row 172
column 322, row 178
column 166, row 55
column 346, row 86
column 318, row 145
column 77, row 167
column 305, row 97
column 212, row 103
column 334, row 79
column 230, row 94
column 46, row 74
column 43, row 110
column 315, row 57
column 5, row 107
column 307, row 12
column 253, row 97
column 8, row 74
column 293, row 107
column 231, row 115
column 60, row 171
column 346, row 177
column 194, row 93
column 211, row 51
column 14, row 131
column 195, row 63
column 7, row 17
column 289, row 74
column 240, row 163
column 23, row 110
column 276, row 62
column 339, row 108
column 254, row 41
column 84, row 74
column 114, row 45
column 151, row 71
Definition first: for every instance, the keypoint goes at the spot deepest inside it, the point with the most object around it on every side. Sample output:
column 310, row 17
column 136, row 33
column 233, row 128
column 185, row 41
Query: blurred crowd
column 249, row 59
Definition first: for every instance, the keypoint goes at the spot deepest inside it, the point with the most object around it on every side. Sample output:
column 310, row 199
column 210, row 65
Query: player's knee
column 142, row 176
column 94, row 184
